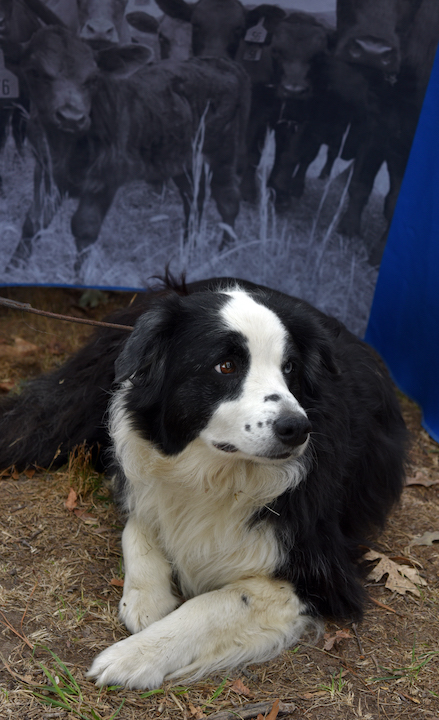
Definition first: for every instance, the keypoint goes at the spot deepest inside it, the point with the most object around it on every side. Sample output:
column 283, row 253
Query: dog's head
column 232, row 367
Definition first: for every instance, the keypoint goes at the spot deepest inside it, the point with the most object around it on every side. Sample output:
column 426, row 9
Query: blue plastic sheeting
column 404, row 320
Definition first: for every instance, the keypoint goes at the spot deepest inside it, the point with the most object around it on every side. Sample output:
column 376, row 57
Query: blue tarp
column 404, row 320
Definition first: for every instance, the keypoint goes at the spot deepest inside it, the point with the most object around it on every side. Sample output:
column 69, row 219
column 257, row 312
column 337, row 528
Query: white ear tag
column 9, row 89
column 257, row 33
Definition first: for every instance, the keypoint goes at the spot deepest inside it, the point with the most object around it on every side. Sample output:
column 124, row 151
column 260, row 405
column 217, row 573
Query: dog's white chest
column 209, row 541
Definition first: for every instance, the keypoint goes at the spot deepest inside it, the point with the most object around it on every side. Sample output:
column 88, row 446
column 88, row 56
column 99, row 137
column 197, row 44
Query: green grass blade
column 65, row 670
column 52, row 701
column 157, row 691
column 217, row 692
column 118, row 710
column 54, row 687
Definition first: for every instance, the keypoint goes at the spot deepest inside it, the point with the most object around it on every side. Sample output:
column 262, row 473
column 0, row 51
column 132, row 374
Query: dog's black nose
column 292, row 430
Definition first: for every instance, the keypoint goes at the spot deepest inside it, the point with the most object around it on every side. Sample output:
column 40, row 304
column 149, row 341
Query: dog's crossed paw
column 131, row 663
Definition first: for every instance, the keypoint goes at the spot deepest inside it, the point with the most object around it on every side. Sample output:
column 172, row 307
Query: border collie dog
column 257, row 443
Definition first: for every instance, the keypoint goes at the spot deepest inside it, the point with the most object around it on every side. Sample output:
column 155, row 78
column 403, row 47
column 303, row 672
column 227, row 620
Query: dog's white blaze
column 246, row 422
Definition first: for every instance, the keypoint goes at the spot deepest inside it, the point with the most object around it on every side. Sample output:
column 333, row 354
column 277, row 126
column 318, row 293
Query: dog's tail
column 60, row 410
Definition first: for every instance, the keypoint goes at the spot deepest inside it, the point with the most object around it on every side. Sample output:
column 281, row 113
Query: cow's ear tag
column 257, row 33
column 252, row 53
column 9, row 88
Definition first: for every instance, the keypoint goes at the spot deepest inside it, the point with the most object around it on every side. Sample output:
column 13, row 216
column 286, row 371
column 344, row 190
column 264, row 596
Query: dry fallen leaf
column 71, row 501
column 117, row 582
column 332, row 640
column 401, row 579
column 274, row 712
column 421, row 479
column 85, row 517
column 428, row 538
column 20, row 348
column 239, row 687
column 196, row 712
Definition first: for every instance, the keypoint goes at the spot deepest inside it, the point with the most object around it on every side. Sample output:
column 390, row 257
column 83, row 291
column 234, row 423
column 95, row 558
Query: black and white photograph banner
column 267, row 142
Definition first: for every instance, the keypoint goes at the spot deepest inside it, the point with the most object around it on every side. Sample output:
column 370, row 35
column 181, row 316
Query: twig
column 26, row 307
column 27, row 604
column 354, row 628
column 11, row 627
column 178, row 702
column 253, row 710
column 386, row 607
column 15, row 675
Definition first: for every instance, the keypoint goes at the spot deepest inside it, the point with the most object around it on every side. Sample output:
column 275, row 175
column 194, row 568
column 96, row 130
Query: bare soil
column 61, row 576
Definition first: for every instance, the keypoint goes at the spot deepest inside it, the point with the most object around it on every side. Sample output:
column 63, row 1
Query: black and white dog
column 257, row 442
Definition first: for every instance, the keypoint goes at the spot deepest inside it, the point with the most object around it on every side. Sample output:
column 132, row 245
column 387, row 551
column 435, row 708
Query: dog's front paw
column 138, row 609
column 130, row 663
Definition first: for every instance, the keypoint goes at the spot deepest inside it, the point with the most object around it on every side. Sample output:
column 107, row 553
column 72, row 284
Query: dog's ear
column 144, row 354
column 319, row 358
column 315, row 336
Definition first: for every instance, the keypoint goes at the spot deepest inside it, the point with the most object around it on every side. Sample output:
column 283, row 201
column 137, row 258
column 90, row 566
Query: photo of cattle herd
column 266, row 141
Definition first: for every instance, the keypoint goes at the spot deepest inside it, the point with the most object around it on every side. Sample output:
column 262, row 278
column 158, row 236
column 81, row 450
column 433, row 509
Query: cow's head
column 102, row 22
column 371, row 33
column 217, row 25
column 63, row 73
column 298, row 43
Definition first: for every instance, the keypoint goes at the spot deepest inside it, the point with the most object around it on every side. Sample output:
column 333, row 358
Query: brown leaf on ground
column 117, row 582
column 239, row 687
column 6, row 386
column 20, row 348
column 196, row 712
column 85, row 517
column 332, row 640
column 274, row 712
column 71, row 501
column 401, row 579
column 428, row 538
column 421, row 479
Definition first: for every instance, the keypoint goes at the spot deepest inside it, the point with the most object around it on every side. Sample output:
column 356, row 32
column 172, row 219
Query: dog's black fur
column 358, row 442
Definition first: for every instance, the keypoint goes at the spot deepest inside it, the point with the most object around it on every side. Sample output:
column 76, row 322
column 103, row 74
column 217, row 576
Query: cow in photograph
column 175, row 39
column 102, row 22
column 169, row 37
column 92, row 130
column 217, row 25
column 382, row 63
column 19, row 20
column 94, row 20
column 288, row 68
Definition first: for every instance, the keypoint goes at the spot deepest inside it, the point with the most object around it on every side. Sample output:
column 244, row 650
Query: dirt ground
column 61, row 580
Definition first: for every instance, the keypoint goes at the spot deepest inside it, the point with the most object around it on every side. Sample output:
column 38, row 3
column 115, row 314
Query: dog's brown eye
column 288, row 367
column 226, row 367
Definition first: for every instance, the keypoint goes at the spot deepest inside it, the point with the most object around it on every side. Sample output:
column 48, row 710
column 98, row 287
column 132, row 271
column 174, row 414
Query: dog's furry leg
column 147, row 594
column 247, row 621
